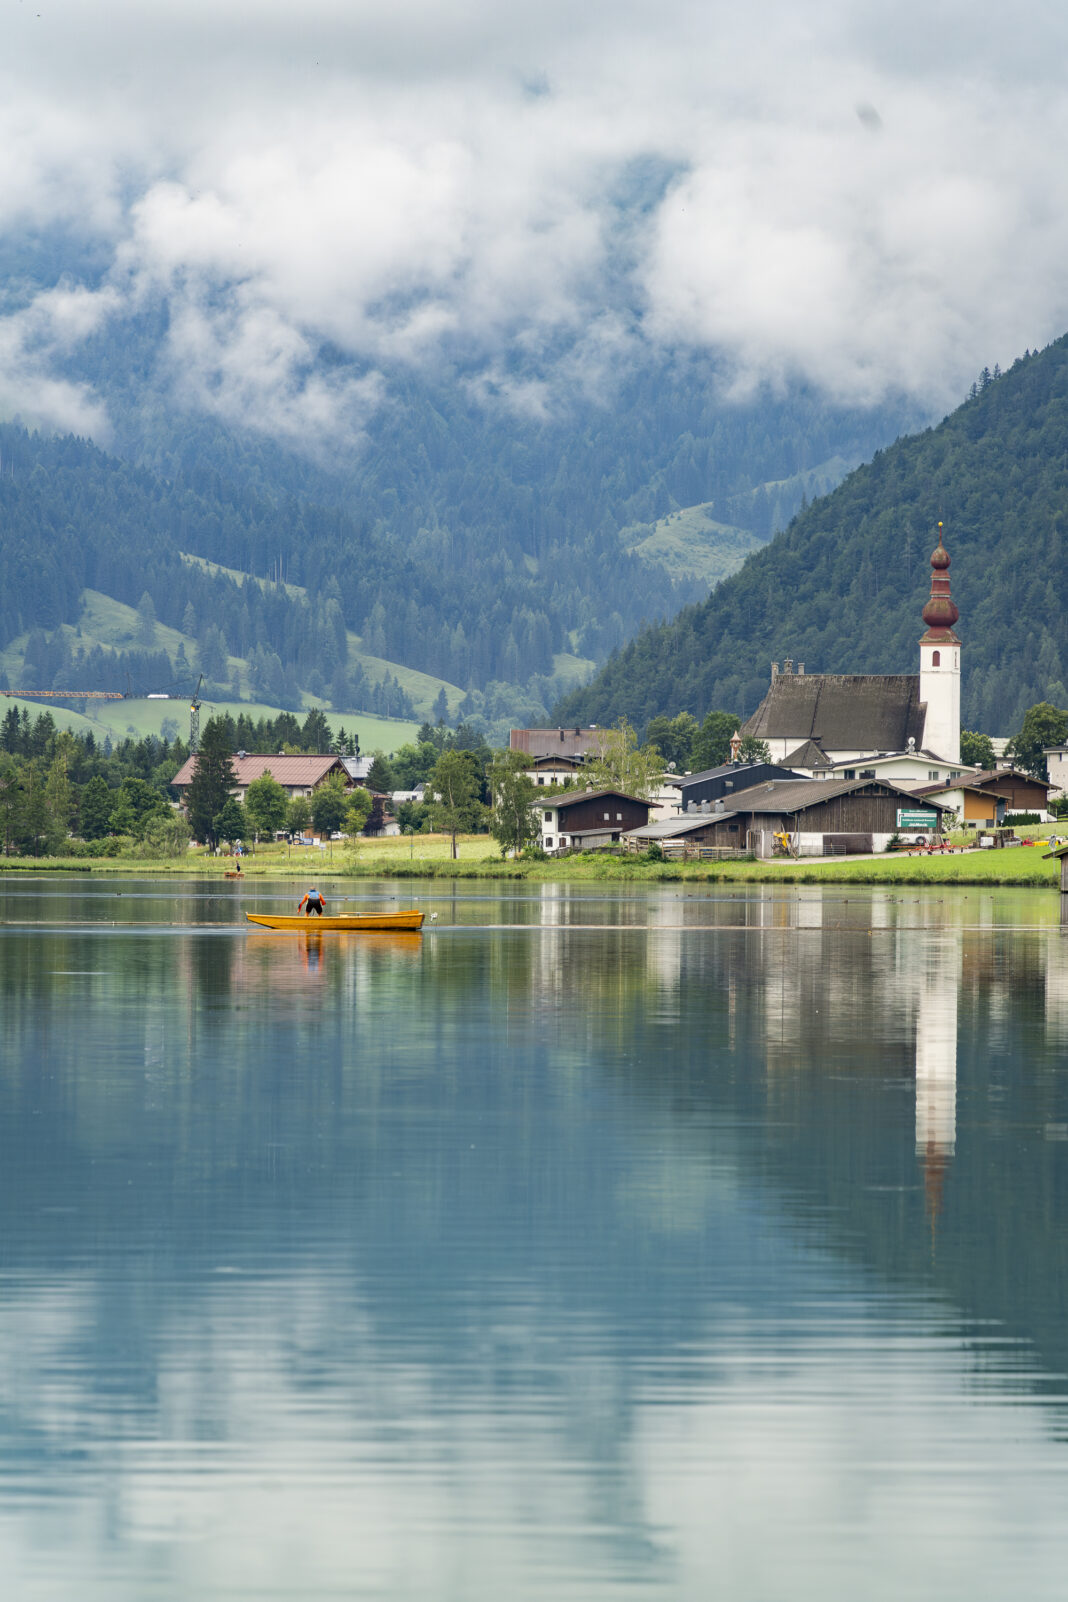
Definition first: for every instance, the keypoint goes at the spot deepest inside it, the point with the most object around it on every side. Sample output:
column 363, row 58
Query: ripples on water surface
column 647, row 1245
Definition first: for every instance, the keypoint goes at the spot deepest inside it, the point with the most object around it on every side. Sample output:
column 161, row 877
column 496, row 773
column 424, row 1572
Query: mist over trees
column 459, row 536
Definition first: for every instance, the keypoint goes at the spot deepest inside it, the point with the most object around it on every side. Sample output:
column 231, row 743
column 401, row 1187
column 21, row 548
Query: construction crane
column 68, row 695
column 194, row 719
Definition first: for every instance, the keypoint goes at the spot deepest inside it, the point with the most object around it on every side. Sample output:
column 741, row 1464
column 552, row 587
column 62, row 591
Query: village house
column 1021, row 792
column 974, row 807
column 548, row 770
column 559, row 742
column 981, row 800
column 907, row 768
column 298, row 775
column 1057, row 767
column 589, row 820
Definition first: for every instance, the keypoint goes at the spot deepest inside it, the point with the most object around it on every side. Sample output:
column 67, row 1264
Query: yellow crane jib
column 68, row 695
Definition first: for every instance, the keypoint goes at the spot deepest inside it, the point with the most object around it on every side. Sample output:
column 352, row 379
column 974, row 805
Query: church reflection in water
column 936, row 1064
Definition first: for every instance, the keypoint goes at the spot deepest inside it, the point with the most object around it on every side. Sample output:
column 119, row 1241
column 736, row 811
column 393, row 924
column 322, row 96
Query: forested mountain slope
column 843, row 587
column 477, row 526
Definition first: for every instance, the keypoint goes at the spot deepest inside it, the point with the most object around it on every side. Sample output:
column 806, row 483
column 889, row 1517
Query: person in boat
column 312, row 902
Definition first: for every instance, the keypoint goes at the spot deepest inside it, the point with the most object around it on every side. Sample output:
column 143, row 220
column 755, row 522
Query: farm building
column 719, row 784
column 822, row 817
column 590, row 819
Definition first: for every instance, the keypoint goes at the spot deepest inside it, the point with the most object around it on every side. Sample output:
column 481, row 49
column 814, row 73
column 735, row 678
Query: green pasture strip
column 135, row 719
column 428, row 857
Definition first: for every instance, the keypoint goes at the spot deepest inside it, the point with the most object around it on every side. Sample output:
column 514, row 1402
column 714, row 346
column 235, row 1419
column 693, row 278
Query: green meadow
column 429, row 856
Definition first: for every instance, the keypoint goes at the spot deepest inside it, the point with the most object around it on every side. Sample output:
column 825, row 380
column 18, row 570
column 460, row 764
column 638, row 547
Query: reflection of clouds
column 852, row 1458
column 555, row 1328
column 289, row 1448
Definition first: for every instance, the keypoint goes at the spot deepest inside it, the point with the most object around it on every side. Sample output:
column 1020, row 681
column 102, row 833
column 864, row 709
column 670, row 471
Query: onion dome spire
column 940, row 613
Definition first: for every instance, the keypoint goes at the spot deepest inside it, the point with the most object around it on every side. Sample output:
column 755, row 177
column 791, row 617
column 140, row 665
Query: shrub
column 112, row 845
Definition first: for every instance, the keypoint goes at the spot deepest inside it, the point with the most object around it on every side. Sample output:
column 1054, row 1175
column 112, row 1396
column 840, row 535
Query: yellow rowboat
column 403, row 922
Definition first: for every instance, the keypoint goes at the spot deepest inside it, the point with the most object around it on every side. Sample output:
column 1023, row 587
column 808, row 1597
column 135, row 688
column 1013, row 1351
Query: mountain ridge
column 842, row 588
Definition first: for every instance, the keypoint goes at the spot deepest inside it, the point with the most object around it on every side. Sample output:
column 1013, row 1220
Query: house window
column 606, row 817
column 936, row 659
column 849, row 773
column 548, row 817
column 867, row 773
column 619, row 817
column 955, row 773
column 932, row 773
column 732, row 828
column 563, row 839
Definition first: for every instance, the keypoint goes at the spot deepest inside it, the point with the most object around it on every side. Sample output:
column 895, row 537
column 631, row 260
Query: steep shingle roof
column 842, row 711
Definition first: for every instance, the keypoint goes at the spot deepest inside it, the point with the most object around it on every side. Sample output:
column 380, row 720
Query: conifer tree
column 213, row 779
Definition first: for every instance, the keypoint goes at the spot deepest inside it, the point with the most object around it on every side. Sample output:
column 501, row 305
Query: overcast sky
column 873, row 198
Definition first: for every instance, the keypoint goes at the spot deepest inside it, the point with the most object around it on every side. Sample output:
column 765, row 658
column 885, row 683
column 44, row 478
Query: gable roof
column 670, row 828
column 842, row 711
column 948, row 787
column 572, row 798
column 307, row 769
column 984, row 781
column 356, row 767
column 916, row 755
column 809, row 755
column 734, row 770
column 794, row 795
column 555, row 742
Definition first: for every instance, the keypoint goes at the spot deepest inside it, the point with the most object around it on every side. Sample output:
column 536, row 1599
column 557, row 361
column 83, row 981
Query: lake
column 642, row 1243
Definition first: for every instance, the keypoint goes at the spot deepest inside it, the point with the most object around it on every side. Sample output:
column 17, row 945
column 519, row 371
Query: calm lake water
column 645, row 1245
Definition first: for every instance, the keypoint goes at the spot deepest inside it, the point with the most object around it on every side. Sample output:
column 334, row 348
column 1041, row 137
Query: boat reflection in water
column 283, row 964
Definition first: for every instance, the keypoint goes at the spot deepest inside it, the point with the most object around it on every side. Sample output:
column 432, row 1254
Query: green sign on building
column 909, row 819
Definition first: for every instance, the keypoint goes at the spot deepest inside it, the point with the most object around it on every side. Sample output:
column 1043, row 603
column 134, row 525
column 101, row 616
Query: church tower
column 940, row 663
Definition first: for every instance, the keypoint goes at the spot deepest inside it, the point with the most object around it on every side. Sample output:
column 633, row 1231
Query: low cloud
column 820, row 195
column 33, row 341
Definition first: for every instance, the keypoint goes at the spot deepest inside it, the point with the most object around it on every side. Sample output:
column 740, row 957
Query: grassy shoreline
column 1022, row 867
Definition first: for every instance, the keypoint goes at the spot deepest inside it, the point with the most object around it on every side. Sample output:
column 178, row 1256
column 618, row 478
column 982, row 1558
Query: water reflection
column 579, row 1246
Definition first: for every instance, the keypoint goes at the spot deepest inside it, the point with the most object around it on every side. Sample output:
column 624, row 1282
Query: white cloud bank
column 870, row 201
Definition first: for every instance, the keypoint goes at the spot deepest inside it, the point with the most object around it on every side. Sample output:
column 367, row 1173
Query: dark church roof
column 842, row 711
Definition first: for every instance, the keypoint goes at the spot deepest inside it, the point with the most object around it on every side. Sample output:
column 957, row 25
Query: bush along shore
column 429, row 857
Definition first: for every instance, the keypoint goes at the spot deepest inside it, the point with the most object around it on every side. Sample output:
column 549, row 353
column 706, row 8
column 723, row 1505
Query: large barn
column 821, row 817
